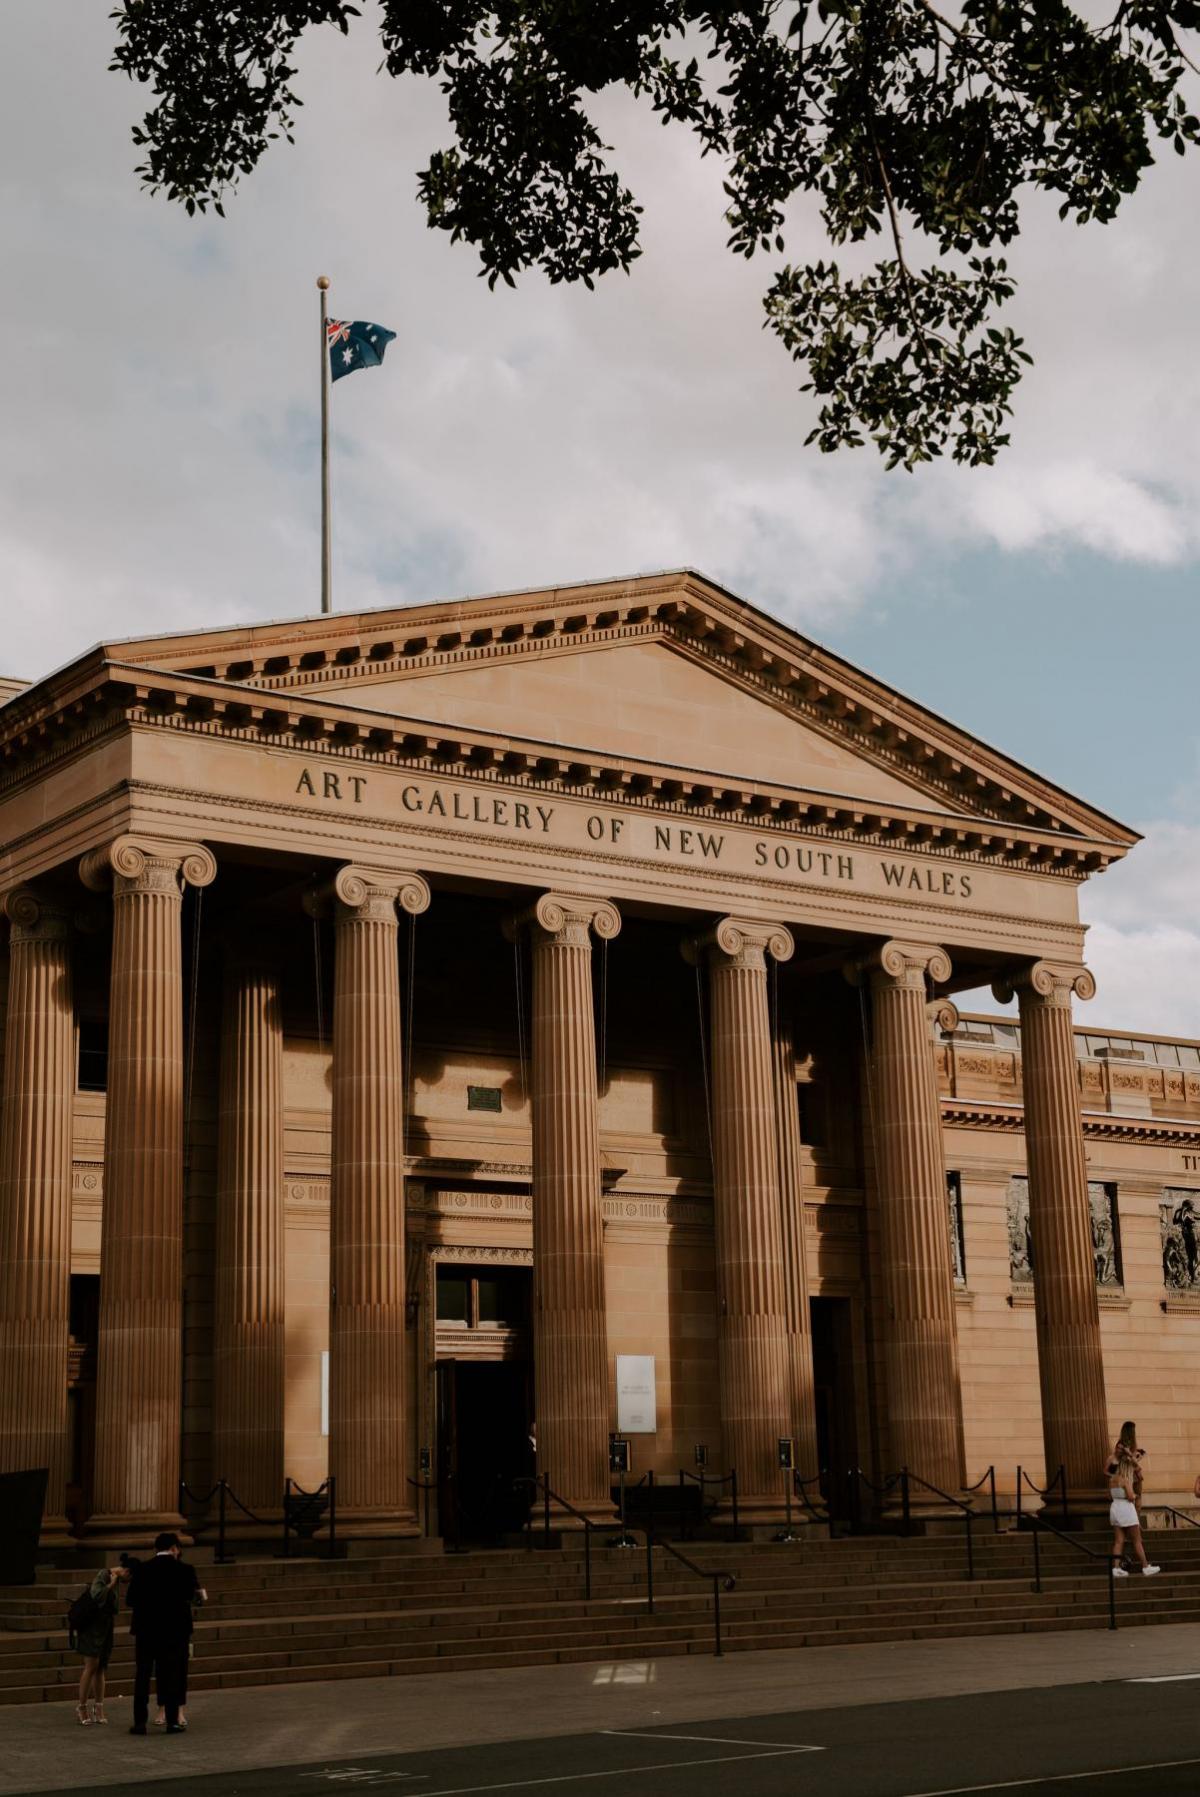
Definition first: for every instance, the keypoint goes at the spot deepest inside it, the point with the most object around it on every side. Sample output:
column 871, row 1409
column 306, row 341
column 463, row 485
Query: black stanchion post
column 587, row 1561
column 332, row 1515
column 1062, row 1473
column 1037, row 1558
column 682, row 1520
column 970, row 1548
column 287, row 1517
column 649, row 1572
column 546, row 1506
column 737, row 1532
column 995, row 1511
column 717, row 1653
column 221, row 1490
column 905, row 1502
column 1020, row 1476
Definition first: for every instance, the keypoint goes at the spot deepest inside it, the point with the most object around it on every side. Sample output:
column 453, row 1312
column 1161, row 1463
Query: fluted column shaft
column 570, row 1349
column 139, row 1366
column 368, row 1450
column 35, row 1199
column 753, row 1339
column 920, row 1343
column 1070, row 1361
column 802, row 1410
column 248, row 1339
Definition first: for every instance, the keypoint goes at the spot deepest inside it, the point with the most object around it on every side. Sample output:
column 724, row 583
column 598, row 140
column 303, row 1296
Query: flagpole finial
column 322, row 282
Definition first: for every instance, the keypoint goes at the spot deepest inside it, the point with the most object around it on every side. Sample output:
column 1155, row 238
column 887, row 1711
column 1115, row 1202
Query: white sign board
column 635, row 1395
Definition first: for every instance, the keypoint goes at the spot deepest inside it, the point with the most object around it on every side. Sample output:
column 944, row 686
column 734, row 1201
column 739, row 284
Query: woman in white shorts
column 1122, row 1514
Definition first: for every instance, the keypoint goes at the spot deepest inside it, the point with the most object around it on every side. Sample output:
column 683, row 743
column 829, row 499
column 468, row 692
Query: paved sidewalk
column 43, row 1748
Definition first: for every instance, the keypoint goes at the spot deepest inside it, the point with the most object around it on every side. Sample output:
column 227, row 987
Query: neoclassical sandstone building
column 424, row 1021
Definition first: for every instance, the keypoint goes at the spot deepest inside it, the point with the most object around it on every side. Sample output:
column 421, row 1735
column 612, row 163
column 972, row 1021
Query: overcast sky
column 159, row 407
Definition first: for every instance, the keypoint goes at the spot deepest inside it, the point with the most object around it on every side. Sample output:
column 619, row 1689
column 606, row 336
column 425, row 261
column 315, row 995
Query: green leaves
column 891, row 118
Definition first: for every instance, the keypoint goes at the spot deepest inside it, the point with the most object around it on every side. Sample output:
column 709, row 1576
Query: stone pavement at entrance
column 42, row 1747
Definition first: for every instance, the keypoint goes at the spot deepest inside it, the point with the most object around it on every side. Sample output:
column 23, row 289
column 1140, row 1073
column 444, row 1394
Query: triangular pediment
column 646, row 700
column 666, row 668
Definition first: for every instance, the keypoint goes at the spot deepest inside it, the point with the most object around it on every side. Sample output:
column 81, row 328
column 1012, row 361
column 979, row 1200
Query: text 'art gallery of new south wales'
column 432, row 1031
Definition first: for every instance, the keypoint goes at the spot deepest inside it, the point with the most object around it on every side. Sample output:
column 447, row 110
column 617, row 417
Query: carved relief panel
column 1179, row 1223
column 1106, row 1241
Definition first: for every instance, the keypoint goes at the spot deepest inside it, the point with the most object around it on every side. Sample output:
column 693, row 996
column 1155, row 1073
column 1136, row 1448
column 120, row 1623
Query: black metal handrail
column 539, row 1483
column 427, row 1486
column 990, row 1476
column 719, row 1579
column 1036, row 1525
column 1059, row 1482
column 907, row 1478
column 292, row 1489
column 801, row 1489
column 703, row 1479
column 1170, row 1510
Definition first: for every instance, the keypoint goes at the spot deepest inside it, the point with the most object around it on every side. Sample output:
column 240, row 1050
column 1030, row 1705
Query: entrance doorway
column 484, row 1400
column 483, row 1448
column 834, row 1392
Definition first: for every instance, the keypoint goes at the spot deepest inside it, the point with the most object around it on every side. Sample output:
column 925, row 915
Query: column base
column 369, row 1523
column 56, row 1532
column 133, row 1528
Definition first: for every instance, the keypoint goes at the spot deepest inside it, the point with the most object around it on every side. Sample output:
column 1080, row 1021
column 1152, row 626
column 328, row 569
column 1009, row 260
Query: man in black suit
column 161, row 1594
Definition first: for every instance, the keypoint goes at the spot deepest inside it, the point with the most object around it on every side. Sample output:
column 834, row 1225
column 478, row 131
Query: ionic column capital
column 944, row 1013
column 903, row 964
column 1054, row 983
column 32, row 918
column 568, row 917
column 369, row 894
column 140, row 864
column 740, row 942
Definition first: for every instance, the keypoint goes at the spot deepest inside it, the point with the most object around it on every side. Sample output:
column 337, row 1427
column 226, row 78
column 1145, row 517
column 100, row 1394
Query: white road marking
column 632, row 1734
column 566, row 1778
column 1053, row 1778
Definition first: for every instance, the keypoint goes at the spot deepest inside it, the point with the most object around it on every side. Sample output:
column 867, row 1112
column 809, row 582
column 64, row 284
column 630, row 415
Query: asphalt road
column 1137, row 1739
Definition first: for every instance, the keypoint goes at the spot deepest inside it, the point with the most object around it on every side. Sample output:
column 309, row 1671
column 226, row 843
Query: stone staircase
column 271, row 1621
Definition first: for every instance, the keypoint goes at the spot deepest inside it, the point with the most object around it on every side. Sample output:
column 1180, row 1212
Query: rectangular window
column 453, row 1295
column 500, row 1300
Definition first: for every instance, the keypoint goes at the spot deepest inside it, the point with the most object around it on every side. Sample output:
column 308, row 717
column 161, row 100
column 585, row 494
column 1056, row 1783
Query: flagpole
column 326, row 551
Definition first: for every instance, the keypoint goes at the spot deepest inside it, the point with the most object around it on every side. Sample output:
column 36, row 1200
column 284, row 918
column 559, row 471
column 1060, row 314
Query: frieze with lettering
column 635, row 833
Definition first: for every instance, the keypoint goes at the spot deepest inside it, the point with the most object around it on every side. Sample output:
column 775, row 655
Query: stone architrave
column 35, row 1199
column 248, row 1337
column 756, row 1383
column 368, row 1445
column 1070, row 1361
column 803, row 1415
column 139, row 1366
column 570, row 1352
column 924, row 1421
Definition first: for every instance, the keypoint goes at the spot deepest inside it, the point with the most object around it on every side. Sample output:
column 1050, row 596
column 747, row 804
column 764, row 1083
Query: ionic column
column 920, row 1345
column 35, row 1199
column 570, row 1352
column 802, row 1410
column 248, row 1340
column 1070, row 1363
column 368, row 1449
column 139, row 1366
column 753, row 1340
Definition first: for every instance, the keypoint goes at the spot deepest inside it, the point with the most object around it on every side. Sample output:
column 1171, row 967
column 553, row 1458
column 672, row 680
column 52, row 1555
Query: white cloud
column 158, row 466
column 1143, row 943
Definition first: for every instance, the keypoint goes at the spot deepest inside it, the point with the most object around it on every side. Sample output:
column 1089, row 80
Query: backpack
column 83, row 1609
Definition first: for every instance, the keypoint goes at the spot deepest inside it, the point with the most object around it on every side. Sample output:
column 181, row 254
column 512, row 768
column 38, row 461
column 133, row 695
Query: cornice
column 138, row 698
column 695, row 616
column 958, row 1113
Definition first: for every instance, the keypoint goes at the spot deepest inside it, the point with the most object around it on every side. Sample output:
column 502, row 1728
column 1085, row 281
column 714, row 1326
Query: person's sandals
column 98, row 1712
column 81, row 1710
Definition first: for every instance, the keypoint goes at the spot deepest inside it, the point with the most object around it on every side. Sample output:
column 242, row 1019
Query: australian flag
column 357, row 345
